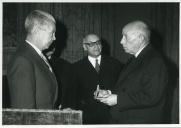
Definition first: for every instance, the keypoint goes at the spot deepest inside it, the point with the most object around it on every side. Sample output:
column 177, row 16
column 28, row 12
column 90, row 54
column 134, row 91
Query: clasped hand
column 105, row 96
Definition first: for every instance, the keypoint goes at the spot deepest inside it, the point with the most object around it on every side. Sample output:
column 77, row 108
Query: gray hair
column 141, row 28
column 38, row 18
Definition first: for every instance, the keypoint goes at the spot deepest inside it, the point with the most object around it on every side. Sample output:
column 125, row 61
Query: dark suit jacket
column 63, row 73
column 31, row 83
column 141, row 90
column 86, row 80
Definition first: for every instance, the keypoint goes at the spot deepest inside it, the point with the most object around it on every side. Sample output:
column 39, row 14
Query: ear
column 141, row 38
column 84, row 47
column 35, row 30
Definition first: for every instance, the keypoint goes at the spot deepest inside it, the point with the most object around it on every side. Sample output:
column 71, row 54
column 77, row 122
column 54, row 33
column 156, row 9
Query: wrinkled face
column 130, row 40
column 47, row 36
column 92, row 45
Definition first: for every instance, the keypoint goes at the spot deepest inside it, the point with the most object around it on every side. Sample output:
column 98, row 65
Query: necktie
column 46, row 61
column 130, row 60
column 97, row 66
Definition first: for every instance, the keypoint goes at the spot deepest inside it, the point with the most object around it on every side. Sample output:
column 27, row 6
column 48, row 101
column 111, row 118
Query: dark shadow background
column 173, row 71
column 61, row 41
column 105, row 47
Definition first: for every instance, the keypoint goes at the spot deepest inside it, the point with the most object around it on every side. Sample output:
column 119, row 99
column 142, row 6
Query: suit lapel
column 51, row 75
column 136, row 62
column 40, row 61
column 90, row 66
column 126, row 70
column 103, row 64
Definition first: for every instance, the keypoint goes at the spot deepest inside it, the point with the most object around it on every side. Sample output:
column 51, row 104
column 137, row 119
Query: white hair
column 38, row 18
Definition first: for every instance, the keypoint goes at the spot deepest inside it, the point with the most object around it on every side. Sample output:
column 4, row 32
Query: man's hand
column 111, row 100
column 96, row 92
column 60, row 107
column 100, row 93
column 67, row 109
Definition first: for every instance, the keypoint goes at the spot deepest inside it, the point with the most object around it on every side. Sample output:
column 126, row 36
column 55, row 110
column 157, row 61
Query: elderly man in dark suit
column 139, row 94
column 32, row 82
column 92, row 72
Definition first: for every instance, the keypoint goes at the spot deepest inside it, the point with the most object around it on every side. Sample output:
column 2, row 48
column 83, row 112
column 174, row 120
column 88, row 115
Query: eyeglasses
column 91, row 44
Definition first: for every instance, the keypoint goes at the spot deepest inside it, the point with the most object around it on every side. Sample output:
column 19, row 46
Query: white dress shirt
column 139, row 51
column 93, row 60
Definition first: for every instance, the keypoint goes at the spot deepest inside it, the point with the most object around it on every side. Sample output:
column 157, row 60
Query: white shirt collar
column 92, row 60
column 139, row 51
column 36, row 49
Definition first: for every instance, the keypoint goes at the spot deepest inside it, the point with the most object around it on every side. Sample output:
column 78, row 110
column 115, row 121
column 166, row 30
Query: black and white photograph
column 90, row 63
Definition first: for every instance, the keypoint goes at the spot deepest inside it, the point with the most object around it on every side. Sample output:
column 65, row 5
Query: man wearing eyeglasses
column 92, row 72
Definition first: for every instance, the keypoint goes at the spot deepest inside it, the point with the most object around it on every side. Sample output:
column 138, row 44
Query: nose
column 121, row 42
column 97, row 47
column 54, row 38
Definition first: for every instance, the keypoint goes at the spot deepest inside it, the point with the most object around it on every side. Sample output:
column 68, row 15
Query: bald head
column 91, row 38
column 138, row 28
column 136, row 35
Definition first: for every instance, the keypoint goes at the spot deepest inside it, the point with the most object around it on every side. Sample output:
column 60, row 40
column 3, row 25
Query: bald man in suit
column 139, row 94
column 90, row 72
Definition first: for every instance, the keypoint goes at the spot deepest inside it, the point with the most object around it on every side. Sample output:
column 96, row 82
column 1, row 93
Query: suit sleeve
column 22, row 82
column 152, row 81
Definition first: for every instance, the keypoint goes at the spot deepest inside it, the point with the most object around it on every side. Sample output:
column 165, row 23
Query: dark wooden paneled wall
column 106, row 19
column 74, row 20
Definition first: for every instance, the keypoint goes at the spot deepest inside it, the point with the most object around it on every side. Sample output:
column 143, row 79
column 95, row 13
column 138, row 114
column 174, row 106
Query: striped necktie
column 97, row 66
column 46, row 61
